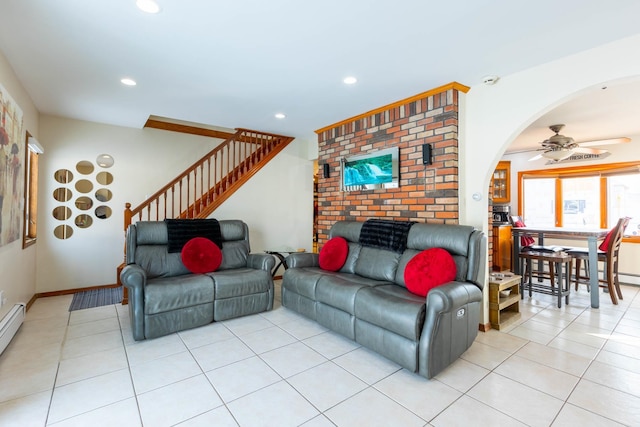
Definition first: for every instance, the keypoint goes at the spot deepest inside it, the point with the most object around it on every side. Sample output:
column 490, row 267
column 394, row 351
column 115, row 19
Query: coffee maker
column 501, row 214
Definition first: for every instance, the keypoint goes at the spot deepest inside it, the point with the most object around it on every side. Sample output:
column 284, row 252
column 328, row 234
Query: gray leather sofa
column 367, row 300
column 164, row 297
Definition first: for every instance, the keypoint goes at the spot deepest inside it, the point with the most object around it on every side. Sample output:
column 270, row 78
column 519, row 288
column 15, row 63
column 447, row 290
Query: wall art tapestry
column 12, row 157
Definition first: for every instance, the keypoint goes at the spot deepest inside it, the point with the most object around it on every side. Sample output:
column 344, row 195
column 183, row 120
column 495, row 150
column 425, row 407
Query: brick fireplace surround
column 426, row 193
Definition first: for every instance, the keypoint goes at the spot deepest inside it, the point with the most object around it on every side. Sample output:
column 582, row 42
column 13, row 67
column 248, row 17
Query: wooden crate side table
column 504, row 309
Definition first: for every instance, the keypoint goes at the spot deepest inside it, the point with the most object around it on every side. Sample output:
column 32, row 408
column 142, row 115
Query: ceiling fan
column 559, row 147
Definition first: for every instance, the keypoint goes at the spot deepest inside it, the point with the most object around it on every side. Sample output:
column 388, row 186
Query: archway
column 495, row 115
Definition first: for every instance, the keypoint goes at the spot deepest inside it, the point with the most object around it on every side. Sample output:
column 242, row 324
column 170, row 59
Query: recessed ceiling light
column 350, row 80
column 128, row 82
column 280, row 116
column 149, row 6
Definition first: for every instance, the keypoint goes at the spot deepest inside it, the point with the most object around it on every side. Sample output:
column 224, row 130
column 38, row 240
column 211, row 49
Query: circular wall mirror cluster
column 82, row 194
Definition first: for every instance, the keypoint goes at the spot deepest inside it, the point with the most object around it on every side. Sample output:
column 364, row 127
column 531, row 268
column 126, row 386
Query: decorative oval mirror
column 104, row 161
column 103, row 195
column 84, row 186
column 104, row 178
column 83, row 221
column 62, row 194
column 61, row 213
column 63, row 176
column 63, row 232
column 103, row 212
column 84, row 203
column 85, row 167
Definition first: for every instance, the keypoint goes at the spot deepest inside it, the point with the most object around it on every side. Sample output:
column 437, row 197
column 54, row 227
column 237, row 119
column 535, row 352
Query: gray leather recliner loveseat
column 165, row 297
column 367, row 300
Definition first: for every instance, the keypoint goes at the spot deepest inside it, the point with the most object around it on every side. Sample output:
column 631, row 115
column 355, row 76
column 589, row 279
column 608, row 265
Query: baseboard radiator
column 10, row 324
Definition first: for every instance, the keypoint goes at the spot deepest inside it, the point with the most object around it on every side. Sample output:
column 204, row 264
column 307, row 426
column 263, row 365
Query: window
column 582, row 197
column 581, row 202
column 623, row 200
column 31, row 191
column 539, row 203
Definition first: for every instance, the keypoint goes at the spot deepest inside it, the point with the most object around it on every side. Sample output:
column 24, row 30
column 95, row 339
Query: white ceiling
column 237, row 63
column 610, row 111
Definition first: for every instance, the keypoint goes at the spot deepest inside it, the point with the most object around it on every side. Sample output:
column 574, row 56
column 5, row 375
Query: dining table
column 592, row 236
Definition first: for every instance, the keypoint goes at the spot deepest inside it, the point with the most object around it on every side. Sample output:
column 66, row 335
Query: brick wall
column 426, row 193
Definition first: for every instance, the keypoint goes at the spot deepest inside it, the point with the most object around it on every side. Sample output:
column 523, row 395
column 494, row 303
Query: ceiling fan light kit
column 557, row 154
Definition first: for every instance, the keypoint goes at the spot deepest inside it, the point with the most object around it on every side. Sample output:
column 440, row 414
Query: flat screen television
column 371, row 171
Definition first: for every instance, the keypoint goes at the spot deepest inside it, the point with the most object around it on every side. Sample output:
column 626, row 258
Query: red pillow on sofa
column 430, row 268
column 333, row 254
column 201, row 255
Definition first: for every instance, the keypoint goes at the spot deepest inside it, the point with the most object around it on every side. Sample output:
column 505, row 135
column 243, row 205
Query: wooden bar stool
column 559, row 262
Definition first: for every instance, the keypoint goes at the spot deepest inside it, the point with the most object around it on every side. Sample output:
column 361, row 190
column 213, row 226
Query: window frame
column 601, row 170
column 30, row 212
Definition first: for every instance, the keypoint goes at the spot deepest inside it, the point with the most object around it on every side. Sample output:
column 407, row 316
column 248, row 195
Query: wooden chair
column 609, row 256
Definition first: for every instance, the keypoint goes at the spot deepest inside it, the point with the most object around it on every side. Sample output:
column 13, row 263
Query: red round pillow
column 333, row 254
column 201, row 255
column 430, row 268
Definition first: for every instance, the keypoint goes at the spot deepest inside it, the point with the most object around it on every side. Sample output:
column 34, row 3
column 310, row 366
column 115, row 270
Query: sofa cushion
column 333, row 254
column 201, row 255
column 234, row 254
column 303, row 280
column 339, row 290
column 157, row 262
column 350, row 263
column 378, row 264
column 430, row 268
column 402, row 265
column 172, row 293
column 393, row 308
column 240, row 282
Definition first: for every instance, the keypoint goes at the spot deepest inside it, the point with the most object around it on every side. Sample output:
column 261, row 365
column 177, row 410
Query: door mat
column 96, row 298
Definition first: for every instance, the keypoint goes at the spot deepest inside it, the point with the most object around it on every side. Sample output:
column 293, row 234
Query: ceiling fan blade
column 539, row 156
column 622, row 140
column 589, row 150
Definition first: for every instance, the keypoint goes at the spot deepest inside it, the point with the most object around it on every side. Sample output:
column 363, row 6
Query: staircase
column 206, row 184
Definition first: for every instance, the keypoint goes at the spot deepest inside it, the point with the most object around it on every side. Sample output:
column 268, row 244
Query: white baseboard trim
column 629, row 279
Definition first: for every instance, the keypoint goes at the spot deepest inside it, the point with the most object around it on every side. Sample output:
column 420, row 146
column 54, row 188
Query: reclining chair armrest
column 302, row 259
column 448, row 330
column 135, row 278
column 261, row 262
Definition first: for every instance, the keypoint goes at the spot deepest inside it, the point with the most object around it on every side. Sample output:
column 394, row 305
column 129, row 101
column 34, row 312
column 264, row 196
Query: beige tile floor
column 573, row 366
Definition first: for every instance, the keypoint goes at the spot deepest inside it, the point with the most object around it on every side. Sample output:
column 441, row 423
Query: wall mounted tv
column 371, row 171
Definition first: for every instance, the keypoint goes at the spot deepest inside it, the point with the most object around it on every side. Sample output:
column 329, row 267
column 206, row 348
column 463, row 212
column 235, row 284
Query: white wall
column 145, row 160
column 17, row 273
column 277, row 204
column 495, row 115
